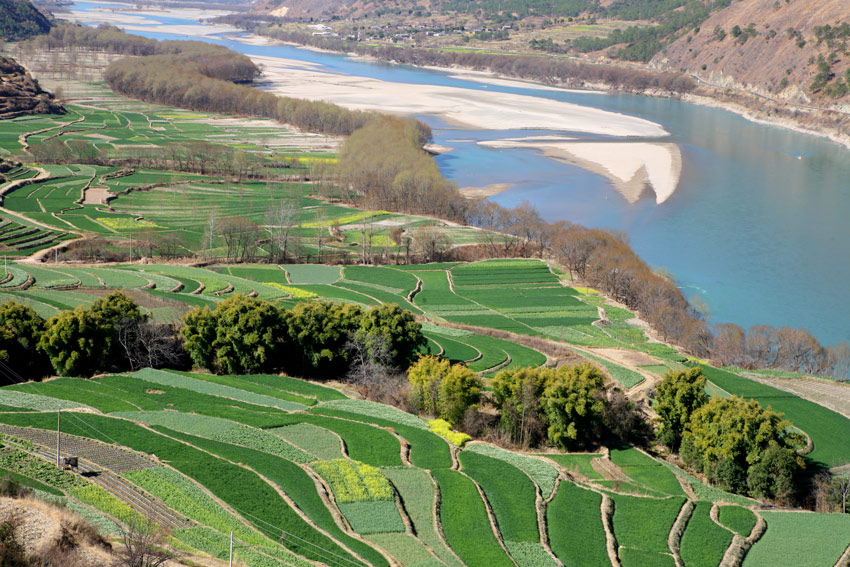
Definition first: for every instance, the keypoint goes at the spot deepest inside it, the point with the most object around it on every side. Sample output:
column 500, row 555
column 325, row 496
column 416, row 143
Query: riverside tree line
column 382, row 166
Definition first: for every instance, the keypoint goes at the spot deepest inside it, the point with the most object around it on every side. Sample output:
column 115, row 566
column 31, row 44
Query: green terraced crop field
column 228, row 447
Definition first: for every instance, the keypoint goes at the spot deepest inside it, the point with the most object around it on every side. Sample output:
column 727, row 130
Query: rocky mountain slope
column 20, row 20
column 794, row 50
column 20, row 94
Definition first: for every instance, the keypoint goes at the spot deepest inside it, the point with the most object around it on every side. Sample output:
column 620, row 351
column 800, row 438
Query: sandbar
column 483, row 110
column 484, row 192
column 632, row 167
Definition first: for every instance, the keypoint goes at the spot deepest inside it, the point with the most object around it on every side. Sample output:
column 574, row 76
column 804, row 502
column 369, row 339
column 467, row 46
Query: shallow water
column 757, row 227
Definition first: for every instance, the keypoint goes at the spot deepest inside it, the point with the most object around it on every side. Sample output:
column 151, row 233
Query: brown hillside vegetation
column 20, row 94
column 775, row 50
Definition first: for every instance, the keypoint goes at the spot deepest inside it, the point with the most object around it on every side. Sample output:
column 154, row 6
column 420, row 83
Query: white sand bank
column 473, row 109
column 631, row 166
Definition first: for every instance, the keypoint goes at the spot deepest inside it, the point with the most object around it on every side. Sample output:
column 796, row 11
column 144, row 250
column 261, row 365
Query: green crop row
column 803, row 539
column 317, row 441
column 373, row 409
column 576, row 534
column 704, row 542
column 208, row 387
column 427, row 450
column 97, row 497
column 220, row 430
column 37, row 402
column 465, row 522
column 25, row 464
column 645, row 523
column 510, row 492
column 242, row 489
column 373, row 517
column 738, row 519
column 417, row 492
column 645, row 470
column 541, row 471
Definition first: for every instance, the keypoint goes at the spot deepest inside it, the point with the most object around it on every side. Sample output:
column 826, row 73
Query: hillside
column 301, row 471
column 779, row 49
column 20, row 20
column 21, row 95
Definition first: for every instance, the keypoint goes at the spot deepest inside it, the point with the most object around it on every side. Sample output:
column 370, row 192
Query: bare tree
column 281, row 218
column 212, row 226
column 372, row 370
column 150, row 345
column 431, row 243
column 143, row 546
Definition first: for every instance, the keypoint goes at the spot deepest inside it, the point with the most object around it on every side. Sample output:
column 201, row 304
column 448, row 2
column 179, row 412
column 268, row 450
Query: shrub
column 444, row 429
column 397, row 328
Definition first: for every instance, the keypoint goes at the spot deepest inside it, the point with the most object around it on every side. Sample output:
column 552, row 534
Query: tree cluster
column 783, row 348
column 738, row 445
column 112, row 334
column 570, row 407
column 442, row 389
column 249, row 335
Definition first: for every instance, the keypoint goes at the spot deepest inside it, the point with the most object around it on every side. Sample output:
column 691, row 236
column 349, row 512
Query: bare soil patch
column 96, row 196
column 625, row 357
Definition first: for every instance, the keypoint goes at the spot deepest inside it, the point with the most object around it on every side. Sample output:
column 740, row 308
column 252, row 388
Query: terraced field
column 211, row 454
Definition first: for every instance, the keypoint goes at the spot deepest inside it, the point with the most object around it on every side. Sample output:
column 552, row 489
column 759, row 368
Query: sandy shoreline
column 634, row 168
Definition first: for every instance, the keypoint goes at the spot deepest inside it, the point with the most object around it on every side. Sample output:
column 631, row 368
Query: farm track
column 103, row 455
column 144, row 504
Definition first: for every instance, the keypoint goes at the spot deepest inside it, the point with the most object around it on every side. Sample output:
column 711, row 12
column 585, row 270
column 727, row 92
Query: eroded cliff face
column 774, row 50
column 21, row 95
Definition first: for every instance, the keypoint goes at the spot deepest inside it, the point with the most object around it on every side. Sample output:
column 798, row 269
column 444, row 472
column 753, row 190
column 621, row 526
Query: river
column 757, row 227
